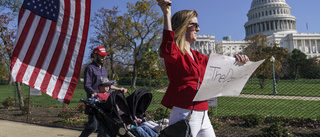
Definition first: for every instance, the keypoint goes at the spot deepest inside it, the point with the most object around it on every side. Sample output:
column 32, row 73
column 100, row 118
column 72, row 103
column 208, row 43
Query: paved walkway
column 280, row 97
column 268, row 96
column 22, row 129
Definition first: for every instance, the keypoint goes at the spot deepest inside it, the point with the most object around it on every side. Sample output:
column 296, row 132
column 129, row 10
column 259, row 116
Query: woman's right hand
column 166, row 9
column 163, row 4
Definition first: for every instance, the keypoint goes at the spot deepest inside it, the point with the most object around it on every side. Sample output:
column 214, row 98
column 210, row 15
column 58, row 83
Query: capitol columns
column 316, row 44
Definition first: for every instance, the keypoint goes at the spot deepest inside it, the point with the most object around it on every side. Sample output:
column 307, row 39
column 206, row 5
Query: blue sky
column 227, row 17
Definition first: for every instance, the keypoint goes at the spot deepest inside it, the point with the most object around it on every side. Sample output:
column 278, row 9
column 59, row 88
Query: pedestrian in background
column 95, row 73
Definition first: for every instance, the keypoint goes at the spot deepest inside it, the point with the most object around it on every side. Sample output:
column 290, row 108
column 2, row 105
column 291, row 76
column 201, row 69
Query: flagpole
column 28, row 106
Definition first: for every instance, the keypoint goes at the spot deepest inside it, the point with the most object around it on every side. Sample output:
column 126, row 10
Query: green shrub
column 25, row 108
column 270, row 119
column 66, row 114
column 215, row 124
column 8, row 102
column 71, row 117
column 27, row 100
column 277, row 130
column 252, row 120
column 3, row 81
column 81, row 108
column 159, row 114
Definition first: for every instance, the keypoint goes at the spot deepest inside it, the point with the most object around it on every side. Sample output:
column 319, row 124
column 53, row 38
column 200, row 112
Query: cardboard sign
column 34, row 91
column 225, row 76
column 213, row 102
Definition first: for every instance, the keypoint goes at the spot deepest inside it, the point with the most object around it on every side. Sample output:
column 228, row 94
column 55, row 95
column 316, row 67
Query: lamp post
column 272, row 59
column 131, row 69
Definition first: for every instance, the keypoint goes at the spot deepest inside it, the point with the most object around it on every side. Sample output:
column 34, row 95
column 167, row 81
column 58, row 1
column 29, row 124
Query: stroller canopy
column 116, row 105
column 139, row 102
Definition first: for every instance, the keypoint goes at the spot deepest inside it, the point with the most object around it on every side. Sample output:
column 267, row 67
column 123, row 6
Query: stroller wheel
column 122, row 131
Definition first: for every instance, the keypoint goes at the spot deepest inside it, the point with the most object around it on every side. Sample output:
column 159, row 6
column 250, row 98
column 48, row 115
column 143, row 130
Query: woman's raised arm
column 166, row 9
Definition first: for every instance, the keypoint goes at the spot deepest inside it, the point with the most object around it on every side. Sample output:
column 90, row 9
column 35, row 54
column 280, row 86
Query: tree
column 311, row 69
column 258, row 50
column 4, row 75
column 14, row 5
column 296, row 61
column 7, row 30
column 301, row 67
column 255, row 53
column 7, row 36
column 143, row 27
column 107, row 26
column 149, row 65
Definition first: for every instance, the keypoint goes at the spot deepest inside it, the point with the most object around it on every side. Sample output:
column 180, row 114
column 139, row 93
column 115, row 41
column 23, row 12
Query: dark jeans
column 92, row 126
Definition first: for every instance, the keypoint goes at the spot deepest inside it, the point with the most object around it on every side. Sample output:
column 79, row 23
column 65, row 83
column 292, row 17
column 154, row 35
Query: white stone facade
column 205, row 44
column 308, row 43
column 231, row 47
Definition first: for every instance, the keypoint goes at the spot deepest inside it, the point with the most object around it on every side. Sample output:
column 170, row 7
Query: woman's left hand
column 242, row 58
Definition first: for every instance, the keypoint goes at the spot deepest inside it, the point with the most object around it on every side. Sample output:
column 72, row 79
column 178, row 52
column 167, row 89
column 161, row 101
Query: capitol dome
column 268, row 17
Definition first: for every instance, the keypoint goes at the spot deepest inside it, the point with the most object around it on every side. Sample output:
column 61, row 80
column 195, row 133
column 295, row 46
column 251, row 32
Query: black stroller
column 107, row 112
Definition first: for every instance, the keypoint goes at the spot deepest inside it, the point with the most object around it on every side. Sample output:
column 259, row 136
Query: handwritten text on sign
column 225, row 77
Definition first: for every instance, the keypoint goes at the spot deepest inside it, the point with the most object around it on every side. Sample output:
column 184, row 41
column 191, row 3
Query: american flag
column 50, row 44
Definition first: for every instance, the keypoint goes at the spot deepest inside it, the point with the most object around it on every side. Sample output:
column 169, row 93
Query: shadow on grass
column 316, row 134
column 240, row 125
column 254, row 136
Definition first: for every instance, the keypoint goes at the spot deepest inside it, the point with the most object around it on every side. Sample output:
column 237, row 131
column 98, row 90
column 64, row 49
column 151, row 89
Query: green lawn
column 234, row 106
column 303, row 87
column 227, row 106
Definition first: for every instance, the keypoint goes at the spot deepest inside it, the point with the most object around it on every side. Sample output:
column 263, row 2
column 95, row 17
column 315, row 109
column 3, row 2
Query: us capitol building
column 271, row 18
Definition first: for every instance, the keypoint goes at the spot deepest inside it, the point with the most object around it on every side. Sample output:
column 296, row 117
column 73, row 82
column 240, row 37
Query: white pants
column 199, row 123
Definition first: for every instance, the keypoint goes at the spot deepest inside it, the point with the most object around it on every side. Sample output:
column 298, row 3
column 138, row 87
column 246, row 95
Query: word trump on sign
column 225, row 76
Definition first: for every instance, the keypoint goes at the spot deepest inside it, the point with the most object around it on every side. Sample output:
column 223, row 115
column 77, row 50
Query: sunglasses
column 195, row 24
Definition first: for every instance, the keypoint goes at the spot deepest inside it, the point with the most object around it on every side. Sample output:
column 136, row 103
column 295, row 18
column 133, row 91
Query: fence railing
column 294, row 99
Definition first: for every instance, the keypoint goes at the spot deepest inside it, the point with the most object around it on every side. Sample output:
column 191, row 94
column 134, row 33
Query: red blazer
column 183, row 73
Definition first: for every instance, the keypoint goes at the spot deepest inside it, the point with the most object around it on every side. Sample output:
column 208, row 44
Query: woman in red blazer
column 185, row 69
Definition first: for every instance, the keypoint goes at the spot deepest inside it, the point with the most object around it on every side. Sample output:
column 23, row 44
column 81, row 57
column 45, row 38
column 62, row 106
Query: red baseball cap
column 100, row 50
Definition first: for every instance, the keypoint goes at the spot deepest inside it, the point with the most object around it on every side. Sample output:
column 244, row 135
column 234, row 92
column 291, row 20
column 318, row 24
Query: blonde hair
column 180, row 21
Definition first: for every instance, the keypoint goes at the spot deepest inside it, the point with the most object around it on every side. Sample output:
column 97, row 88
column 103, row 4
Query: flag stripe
column 71, row 39
column 68, row 66
column 32, row 46
column 43, row 54
column 85, row 17
column 36, row 55
column 55, row 49
column 41, row 82
column 56, row 63
column 23, row 16
column 18, row 48
column 22, row 44
column 73, row 74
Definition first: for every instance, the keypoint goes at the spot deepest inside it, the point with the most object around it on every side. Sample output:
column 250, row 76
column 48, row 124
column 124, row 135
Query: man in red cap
column 94, row 75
